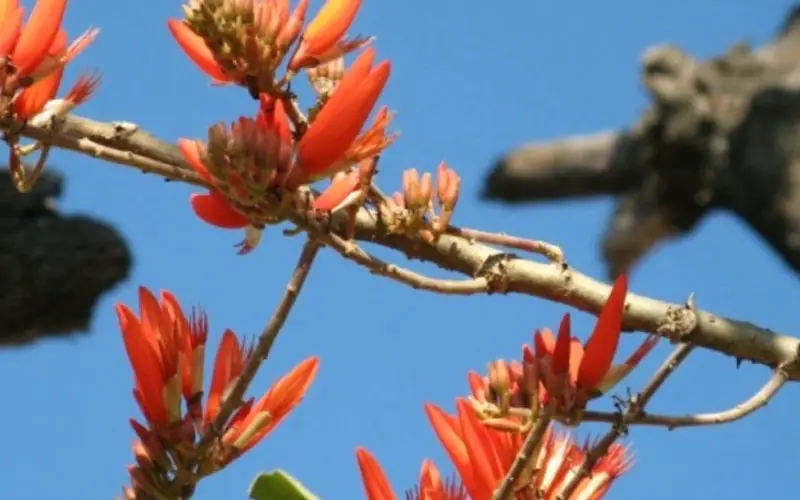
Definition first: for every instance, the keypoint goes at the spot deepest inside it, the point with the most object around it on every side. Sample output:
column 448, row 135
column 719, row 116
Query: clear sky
column 470, row 80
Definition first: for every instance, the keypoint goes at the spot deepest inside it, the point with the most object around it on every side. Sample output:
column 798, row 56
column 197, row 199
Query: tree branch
column 261, row 351
column 505, row 272
column 635, row 410
column 743, row 409
column 591, row 165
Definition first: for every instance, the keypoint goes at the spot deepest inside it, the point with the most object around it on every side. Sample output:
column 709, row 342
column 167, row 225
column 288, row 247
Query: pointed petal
column 32, row 99
column 341, row 119
column 544, row 343
column 330, row 25
column 618, row 372
column 483, row 456
column 342, row 191
column 196, row 49
column 284, row 396
column 476, row 385
column 38, row 34
column 227, row 353
column 145, row 364
column 192, row 152
column 429, row 477
column 560, row 364
column 211, row 210
column 602, row 345
column 448, row 431
column 10, row 26
column 150, row 316
column 376, row 485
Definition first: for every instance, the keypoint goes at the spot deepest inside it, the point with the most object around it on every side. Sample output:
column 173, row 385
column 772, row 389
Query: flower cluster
column 33, row 55
column 482, row 457
column 258, row 169
column 412, row 211
column 167, row 350
column 560, row 370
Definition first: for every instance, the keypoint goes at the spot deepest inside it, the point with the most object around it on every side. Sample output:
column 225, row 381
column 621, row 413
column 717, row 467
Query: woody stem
column 263, row 346
column 525, row 455
column 620, row 427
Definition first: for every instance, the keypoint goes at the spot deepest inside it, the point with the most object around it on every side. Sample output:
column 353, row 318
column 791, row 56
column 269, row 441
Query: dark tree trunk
column 720, row 134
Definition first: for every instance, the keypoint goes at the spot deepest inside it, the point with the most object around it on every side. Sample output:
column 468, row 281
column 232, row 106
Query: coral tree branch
column 126, row 144
column 264, row 344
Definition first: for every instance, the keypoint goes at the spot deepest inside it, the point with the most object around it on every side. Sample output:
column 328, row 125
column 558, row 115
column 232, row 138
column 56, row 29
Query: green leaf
column 278, row 485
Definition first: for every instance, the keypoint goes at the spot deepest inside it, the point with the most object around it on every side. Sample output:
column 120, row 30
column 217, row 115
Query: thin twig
column 526, row 453
column 743, row 409
column 264, row 345
column 548, row 250
column 620, row 427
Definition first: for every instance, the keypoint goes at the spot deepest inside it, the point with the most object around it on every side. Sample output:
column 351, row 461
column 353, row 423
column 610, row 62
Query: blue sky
column 469, row 81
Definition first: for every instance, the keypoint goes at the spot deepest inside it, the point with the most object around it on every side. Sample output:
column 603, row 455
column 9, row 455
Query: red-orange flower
column 241, row 164
column 562, row 370
column 430, row 487
column 254, row 419
column 573, row 373
column 323, row 149
column 198, row 52
column 154, row 341
column 31, row 47
column 236, row 40
column 166, row 351
column 323, row 40
column 483, row 456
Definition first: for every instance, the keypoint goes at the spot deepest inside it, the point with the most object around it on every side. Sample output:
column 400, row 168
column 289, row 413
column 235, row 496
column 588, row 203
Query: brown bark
column 720, row 134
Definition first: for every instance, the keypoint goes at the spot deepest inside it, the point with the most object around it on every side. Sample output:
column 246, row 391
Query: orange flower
column 236, row 40
column 573, row 373
column 166, row 351
column 483, row 456
column 32, row 47
column 254, row 421
column 241, row 163
column 196, row 49
column 321, row 151
column 154, row 342
column 323, row 40
column 431, row 486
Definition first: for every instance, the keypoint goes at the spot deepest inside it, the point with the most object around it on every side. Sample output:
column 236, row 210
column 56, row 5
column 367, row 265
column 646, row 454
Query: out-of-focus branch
column 506, row 273
column 717, row 136
column 592, row 165
column 54, row 267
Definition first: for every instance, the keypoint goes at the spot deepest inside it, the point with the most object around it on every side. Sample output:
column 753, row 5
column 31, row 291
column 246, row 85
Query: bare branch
column 507, row 273
column 743, row 409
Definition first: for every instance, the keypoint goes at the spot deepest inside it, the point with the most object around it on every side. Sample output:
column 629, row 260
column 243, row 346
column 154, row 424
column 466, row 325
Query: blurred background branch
column 720, row 134
column 53, row 267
